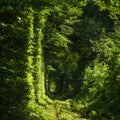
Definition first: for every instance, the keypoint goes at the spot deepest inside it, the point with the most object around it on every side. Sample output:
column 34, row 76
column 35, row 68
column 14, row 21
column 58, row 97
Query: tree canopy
column 59, row 60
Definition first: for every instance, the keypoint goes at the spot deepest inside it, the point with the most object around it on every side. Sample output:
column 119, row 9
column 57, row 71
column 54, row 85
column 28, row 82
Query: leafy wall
column 59, row 60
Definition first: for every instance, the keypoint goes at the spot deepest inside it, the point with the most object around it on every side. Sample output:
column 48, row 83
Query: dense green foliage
column 60, row 60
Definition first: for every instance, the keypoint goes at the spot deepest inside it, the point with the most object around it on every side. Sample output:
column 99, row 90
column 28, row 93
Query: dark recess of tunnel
column 90, row 12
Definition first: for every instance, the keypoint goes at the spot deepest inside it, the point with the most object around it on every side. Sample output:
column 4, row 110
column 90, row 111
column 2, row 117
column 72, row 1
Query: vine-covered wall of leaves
column 59, row 60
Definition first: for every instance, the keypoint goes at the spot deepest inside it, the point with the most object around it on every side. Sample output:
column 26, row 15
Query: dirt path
column 55, row 111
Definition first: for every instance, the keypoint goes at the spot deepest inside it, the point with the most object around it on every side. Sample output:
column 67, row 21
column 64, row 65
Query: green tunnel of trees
column 59, row 60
